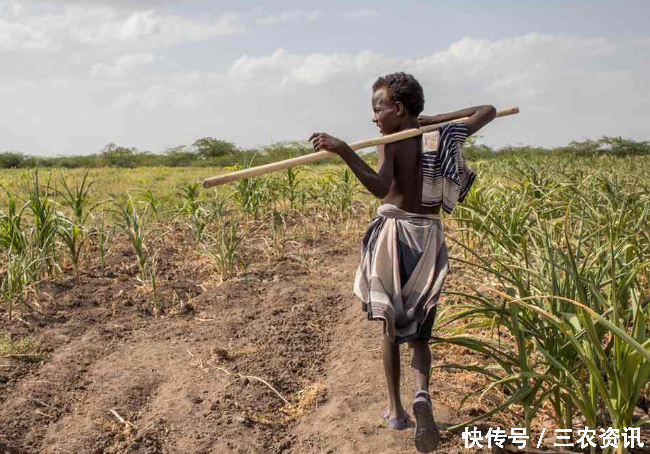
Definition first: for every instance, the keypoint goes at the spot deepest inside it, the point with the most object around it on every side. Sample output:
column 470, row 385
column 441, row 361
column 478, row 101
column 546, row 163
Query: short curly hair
column 404, row 88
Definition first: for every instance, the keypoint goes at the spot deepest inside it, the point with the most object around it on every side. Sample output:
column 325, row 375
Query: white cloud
column 16, row 36
column 361, row 14
column 122, row 65
column 102, row 26
column 284, row 68
column 148, row 29
column 139, row 25
column 290, row 15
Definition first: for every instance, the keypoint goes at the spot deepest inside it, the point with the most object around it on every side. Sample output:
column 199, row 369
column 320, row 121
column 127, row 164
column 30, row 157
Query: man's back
column 406, row 188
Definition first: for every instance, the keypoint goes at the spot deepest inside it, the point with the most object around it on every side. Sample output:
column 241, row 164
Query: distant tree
column 11, row 160
column 179, row 156
column 209, row 147
column 624, row 147
column 116, row 156
column 581, row 148
column 610, row 145
column 286, row 149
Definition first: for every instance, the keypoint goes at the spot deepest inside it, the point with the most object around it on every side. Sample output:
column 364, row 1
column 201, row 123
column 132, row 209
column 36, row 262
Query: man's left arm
column 479, row 116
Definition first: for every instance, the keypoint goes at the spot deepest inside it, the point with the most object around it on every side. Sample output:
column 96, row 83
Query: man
column 404, row 256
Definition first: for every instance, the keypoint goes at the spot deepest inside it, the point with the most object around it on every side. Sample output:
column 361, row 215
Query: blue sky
column 75, row 75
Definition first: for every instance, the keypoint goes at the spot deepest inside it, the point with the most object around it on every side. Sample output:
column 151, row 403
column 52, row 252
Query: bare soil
column 280, row 359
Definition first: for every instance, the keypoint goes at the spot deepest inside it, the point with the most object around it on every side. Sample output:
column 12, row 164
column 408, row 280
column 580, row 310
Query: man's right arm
column 479, row 116
column 378, row 183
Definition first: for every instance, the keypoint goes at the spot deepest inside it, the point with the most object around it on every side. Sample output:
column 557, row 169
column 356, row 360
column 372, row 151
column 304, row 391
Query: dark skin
column 399, row 182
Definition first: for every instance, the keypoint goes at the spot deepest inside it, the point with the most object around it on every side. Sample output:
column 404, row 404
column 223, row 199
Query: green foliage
column 12, row 235
column 103, row 233
column 208, row 147
column 131, row 220
column 223, row 250
column 77, row 198
column 278, row 151
column 74, row 237
column 256, row 194
column 199, row 213
column 12, row 160
column 337, row 192
column 569, row 266
column 45, row 219
column 209, row 151
column 116, row 156
column 179, row 157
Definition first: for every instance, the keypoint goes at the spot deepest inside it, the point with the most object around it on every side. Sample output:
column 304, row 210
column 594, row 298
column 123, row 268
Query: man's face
column 385, row 112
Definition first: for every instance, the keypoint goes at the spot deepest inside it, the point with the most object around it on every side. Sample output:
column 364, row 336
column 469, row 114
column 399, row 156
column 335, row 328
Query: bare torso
column 406, row 188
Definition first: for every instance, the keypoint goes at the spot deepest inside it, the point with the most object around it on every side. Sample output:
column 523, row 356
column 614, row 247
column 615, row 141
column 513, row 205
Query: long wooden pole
column 313, row 157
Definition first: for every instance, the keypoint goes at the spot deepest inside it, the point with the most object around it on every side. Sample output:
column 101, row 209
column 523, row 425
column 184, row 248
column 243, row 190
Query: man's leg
column 392, row 371
column 420, row 363
column 427, row 433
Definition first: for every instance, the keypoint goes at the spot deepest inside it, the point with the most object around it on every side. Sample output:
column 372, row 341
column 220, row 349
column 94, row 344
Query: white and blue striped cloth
column 446, row 179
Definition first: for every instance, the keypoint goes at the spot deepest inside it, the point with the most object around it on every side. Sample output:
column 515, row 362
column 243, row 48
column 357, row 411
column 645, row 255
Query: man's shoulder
column 403, row 145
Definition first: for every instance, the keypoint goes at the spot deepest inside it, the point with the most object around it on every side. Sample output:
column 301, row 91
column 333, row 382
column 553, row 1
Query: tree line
column 209, row 151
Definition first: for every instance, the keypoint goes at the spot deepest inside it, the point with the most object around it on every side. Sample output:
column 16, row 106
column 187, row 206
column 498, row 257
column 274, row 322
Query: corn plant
column 277, row 225
column 156, row 302
column 132, row 222
column 250, row 195
column 103, row 233
column 190, row 193
column 223, row 249
column 255, row 194
column 45, row 219
column 12, row 235
column 151, row 202
column 22, row 272
column 200, row 214
column 14, row 281
column 77, row 198
column 74, row 237
column 337, row 193
column 290, row 188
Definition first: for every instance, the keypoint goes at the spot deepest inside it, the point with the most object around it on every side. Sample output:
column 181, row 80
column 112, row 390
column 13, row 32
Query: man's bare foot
column 399, row 422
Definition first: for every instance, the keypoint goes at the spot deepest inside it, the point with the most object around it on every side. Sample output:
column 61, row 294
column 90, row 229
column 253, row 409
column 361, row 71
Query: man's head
column 396, row 100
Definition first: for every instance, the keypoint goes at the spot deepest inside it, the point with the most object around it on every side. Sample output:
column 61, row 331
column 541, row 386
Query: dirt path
column 279, row 360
